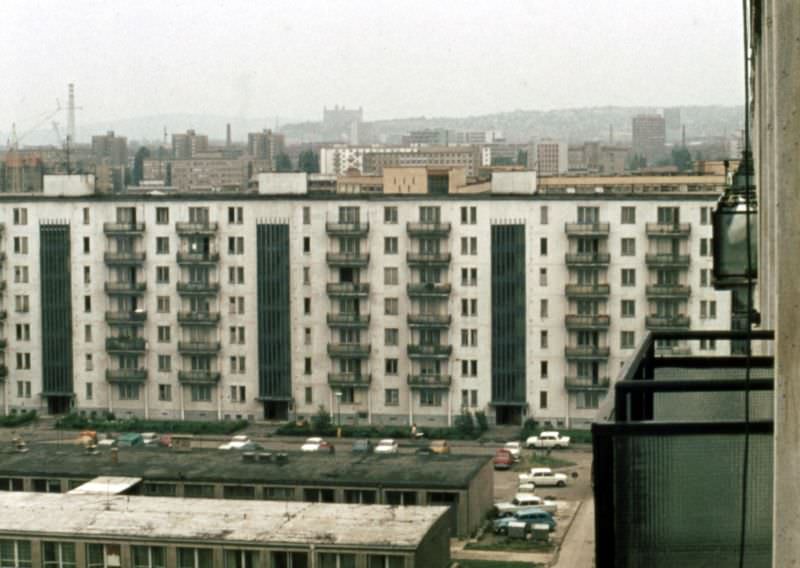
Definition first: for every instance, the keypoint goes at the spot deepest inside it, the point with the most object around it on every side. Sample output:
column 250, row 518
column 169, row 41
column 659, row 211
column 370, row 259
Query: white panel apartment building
column 411, row 307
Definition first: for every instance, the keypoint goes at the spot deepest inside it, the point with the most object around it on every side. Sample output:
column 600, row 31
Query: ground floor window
column 281, row 559
column 201, row 393
column 15, row 553
column 279, row 493
column 385, row 561
column 401, row 498
column 149, row 556
column 239, row 558
column 128, row 391
column 314, row 495
column 195, row 558
column 160, row 489
column 336, row 560
column 198, row 490
column 239, row 492
column 358, row 496
column 103, row 555
column 58, row 555
column 589, row 399
column 430, row 397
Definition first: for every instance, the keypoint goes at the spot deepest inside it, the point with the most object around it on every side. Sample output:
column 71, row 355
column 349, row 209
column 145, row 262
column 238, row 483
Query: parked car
column 87, row 438
column 503, row 459
column 149, row 438
column 547, row 440
column 387, row 446
column 130, row 439
column 106, row 440
column 240, row 442
column 515, row 449
column 439, row 447
column 362, row 447
column 523, row 501
column 529, row 516
column 165, row 440
column 543, row 476
column 316, row 445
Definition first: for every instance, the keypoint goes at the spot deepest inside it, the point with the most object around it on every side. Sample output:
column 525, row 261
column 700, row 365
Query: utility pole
column 71, row 114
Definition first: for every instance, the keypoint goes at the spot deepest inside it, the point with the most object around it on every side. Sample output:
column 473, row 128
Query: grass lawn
column 496, row 564
column 509, row 545
column 539, row 458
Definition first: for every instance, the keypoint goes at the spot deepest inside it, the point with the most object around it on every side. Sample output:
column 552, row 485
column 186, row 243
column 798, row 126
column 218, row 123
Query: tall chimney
column 71, row 114
column 228, row 135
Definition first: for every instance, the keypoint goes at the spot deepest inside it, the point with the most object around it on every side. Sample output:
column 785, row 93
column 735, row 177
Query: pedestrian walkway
column 577, row 550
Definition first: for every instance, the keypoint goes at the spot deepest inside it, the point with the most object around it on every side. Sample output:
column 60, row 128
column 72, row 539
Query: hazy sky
column 396, row 59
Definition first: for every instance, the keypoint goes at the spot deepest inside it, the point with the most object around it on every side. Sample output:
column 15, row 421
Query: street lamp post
column 338, row 394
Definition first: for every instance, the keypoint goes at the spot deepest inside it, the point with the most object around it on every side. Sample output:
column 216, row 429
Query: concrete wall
column 69, row 185
column 282, row 183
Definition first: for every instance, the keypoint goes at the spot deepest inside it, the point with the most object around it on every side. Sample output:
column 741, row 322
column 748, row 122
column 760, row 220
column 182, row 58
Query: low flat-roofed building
column 119, row 530
column 461, row 481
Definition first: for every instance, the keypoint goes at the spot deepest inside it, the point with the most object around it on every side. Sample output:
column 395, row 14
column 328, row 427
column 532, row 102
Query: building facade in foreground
column 397, row 309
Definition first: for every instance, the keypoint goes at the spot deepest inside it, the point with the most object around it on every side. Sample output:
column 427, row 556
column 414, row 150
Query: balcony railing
column 196, row 228
column 588, row 322
column 357, row 350
column 120, row 228
column 587, row 290
column 588, row 259
column 587, row 229
column 586, row 352
column 129, row 344
column 668, row 291
column 668, row 229
column 198, row 318
column 429, row 381
column 348, row 258
column 667, row 260
column 586, row 383
column 429, row 320
column 353, row 380
column 348, row 320
column 198, row 376
column 125, row 287
column 428, row 229
column 124, row 257
column 430, row 351
column 126, row 375
column 428, row 257
column 666, row 323
column 198, row 346
column 428, row 289
column 347, row 229
column 126, row 318
column 198, row 257
column 347, row 289
column 190, row 288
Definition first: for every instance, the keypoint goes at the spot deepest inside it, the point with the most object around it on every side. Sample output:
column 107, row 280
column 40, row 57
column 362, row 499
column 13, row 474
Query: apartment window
column 306, row 275
column 628, row 247
column 195, row 557
column 543, row 400
column 86, row 216
column 430, row 397
column 235, row 215
column 87, row 275
column 543, row 369
column 235, row 245
column 391, row 306
column 390, row 276
column 162, row 245
column 708, row 309
column 87, row 245
column 543, row 339
column 164, row 363
column 88, row 362
column 87, row 333
column 20, row 216
column 21, row 303
column 238, row 393
column 309, row 395
column 543, row 308
column 237, row 364
column 201, row 393
column 705, row 247
column 542, row 277
column 236, row 305
column 162, row 216
column 391, row 336
column 627, row 339
column 469, row 367
column 543, row 246
column 306, row 244
column 390, row 245
column 162, row 274
column 469, row 215
column 306, row 335
column 87, row 304
column 58, row 555
column 543, row 215
column 469, row 276
column 704, row 277
column 164, row 334
column 469, row 245
column 390, row 215
column 236, row 274
column 708, row 344
column 21, row 274
column 391, row 397
column 629, row 215
column 469, row 307
column 629, row 277
column 23, row 389
column 128, row 391
column 588, row 399
column 162, row 304
column 307, row 366
column 306, row 215
column 149, row 556
column 469, row 337
column 628, row 308
column 705, row 215
column 23, row 361
column 307, row 306
column 21, row 245
column 390, row 366
column 23, row 332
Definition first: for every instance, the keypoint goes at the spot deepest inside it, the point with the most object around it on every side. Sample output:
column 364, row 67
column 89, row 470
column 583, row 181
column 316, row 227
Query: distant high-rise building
column 430, row 136
column 265, row 146
column 185, row 146
column 337, row 123
column 110, row 149
column 649, row 137
column 672, row 123
column 548, row 157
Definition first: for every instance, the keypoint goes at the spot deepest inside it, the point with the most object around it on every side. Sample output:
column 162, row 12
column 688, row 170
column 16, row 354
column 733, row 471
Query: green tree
column 465, row 424
column 283, row 163
column 321, row 422
column 308, row 162
column 137, row 175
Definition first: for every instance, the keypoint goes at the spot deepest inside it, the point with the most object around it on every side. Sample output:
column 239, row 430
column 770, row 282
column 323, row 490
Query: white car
column 150, row 438
column 387, row 446
column 523, row 500
column 547, row 440
column 543, row 476
column 315, row 445
column 515, row 449
column 240, row 442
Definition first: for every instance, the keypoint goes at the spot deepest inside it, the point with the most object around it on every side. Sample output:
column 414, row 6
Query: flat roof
column 215, row 520
column 210, row 465
column 106, row 485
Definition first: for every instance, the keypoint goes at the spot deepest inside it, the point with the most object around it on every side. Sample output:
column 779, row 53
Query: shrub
column 464, row 424
column 483, row 423
column 19, row 419
column 321, row 422
column 108, row 423
column 529, row 428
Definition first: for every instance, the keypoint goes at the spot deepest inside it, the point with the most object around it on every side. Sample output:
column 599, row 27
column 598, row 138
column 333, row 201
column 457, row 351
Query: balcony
column 196, row 228
column 347, row 229
column 667, row 260
column 348, row 350
column 198, row 318
column 429, row 381
column 198, row 258
column 347, row 289
column 587, row 229
column 428, row 289
column 668, row 291
column 126, row 318
column 588, row 322
column 586, row 383
column 429, row 351
column 428, row 258
column 123, row 228
column 429, row 320
column 666, row 323
column 125, row 288
column 198, row 288
column 428, row 229
column 587, row 290
column 126, row 375
column 668, row 229
column 588, row 259
column 674, row 350
column 348, row 320
column 124, row 258
column 586, row 352
column 125, row 344
column 205, row 347
column 351, row 380
column 198, row 377
column 356, row 259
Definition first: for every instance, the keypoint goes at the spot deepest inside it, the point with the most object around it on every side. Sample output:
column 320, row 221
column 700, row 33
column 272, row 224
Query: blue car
column 529, row 516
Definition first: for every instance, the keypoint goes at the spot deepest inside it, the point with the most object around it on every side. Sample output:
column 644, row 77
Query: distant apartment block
column 649, row 137
column 597, row 158
column 342, row 159
column 185, row 146
column 467, row 157
column 265, row 146
column 110, row 149
column 548, row 157
column 213, row 174
column 342, row 124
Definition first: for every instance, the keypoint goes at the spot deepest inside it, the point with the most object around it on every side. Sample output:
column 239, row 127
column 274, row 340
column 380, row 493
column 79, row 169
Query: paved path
column 577, row 550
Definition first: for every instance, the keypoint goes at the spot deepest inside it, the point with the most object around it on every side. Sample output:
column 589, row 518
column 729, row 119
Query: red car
column 503, row 459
